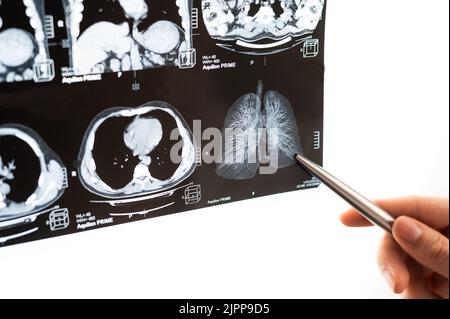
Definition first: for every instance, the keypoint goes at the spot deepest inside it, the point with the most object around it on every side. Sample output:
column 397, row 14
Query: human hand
column 414, row 259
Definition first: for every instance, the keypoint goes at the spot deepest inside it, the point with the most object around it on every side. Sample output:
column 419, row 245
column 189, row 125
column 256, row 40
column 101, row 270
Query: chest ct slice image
column 261, row 26
column 140, row 161
column 125, row 35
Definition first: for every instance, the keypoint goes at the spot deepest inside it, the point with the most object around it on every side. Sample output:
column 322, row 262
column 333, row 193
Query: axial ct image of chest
column 124, row 35
column 261, row 26
column 129, row 152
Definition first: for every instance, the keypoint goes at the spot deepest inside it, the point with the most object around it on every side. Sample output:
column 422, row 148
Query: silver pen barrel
column 365, row 207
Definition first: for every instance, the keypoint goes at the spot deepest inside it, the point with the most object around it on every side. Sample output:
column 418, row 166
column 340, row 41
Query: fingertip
column 349, row 218
column 393, row 265
column 398, row 282
column 352, row 218
column 401, row 282
column 427, row 246
column 402, row 219
column 344, row 219
column 406, row 230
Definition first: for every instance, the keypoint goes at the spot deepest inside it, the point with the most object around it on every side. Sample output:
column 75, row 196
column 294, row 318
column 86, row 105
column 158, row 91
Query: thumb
column 426, row 245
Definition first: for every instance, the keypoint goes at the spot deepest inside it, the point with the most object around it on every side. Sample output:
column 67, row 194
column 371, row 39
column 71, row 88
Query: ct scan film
column 114, row 111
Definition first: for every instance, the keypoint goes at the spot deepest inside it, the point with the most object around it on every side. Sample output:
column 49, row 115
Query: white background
column 386, row 134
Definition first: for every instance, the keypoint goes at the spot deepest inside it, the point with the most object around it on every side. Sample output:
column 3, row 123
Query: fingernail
column 407, row 229
column 389, row 278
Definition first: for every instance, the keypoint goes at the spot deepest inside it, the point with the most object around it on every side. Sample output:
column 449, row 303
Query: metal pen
column 365, row 207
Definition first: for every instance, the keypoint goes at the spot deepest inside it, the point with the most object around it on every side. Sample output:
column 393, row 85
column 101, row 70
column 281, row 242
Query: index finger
column 432, row 211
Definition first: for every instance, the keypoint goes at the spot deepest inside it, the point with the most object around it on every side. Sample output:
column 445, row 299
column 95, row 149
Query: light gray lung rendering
column 260, row 129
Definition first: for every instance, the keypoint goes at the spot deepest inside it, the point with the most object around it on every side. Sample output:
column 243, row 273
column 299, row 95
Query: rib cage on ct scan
column 31, row 174
column 140, row 163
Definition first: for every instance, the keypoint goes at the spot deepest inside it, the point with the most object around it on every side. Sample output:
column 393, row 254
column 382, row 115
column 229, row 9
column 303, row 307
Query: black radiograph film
column 114, row 111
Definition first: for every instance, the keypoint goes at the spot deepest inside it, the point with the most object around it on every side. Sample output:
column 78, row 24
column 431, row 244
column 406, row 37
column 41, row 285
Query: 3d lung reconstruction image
column 24, row 54
column 261, row 26
column 32, row 176
column 123, row 35
column 129, row 152
column 258, row 128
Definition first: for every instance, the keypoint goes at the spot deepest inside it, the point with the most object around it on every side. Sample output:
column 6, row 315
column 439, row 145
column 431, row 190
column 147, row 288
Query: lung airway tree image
column 124, row 35
column 263, row 127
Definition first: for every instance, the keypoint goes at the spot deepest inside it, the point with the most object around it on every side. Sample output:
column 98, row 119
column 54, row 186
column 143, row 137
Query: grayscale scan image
column 127, row 152
column 261, row 26
column 32, row 176
column 262, row 129
column 153, row 107
column 124, row 35
column 24, row 54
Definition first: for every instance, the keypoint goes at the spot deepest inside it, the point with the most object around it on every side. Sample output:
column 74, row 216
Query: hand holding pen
column 414, row 260
column 414, row 252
